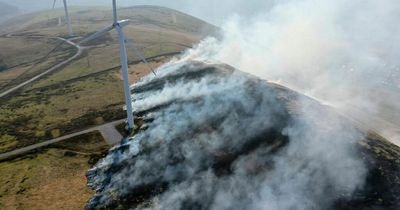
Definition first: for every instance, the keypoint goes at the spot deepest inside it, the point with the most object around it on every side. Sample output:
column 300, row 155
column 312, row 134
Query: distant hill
column 87, row 19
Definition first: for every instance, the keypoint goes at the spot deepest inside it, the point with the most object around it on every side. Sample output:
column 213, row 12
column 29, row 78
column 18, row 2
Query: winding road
column 55, row 67
column 108, row 130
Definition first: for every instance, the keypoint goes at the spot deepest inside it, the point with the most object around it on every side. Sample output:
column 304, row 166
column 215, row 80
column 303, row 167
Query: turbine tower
column 67, row 19
column 118, row 26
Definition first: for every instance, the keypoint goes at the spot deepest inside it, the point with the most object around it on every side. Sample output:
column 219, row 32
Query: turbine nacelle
column 118, row 26
column 121, row 23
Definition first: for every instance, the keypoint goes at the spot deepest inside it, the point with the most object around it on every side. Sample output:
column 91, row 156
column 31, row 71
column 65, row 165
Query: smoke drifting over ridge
column 343, row 53
column 216, row 138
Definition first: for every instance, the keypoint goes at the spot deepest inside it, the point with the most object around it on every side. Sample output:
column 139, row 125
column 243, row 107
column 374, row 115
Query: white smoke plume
column 216, row 138
column 343, row 53
column 226, row 140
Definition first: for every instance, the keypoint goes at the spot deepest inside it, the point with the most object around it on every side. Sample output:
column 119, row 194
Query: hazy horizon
column 210, row 11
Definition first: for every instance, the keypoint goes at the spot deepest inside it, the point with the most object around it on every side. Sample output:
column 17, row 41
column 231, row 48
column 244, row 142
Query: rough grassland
column 89, row 88
column 23, row 57
column 52, row 178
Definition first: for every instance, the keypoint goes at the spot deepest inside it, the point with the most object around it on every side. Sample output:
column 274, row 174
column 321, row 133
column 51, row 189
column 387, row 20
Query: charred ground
column 219, row 138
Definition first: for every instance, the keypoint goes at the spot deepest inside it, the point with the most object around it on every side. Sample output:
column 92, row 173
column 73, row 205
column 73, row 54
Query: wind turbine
column 67, row 19
column 118, row 26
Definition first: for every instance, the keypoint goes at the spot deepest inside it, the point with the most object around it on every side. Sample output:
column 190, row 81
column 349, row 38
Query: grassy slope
column 68, row 99
column 52, row 178
column 23, row 57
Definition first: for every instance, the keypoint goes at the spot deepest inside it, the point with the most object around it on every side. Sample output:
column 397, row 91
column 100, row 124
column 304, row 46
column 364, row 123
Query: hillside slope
column 61, row 102
column 212, row 137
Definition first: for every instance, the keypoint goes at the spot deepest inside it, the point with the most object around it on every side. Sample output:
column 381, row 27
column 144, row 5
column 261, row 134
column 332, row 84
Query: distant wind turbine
column 118, row 26
column 67, row 19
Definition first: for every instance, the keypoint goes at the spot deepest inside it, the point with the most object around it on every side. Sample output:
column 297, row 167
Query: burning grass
column 215, row 138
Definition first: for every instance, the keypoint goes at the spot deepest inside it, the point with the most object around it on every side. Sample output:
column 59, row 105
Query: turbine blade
column 138, row 53
column 97, row 34
column 54, row 3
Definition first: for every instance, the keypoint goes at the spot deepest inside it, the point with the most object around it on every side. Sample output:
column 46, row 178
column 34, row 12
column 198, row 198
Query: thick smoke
column 216, row 138
column 343, row 53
